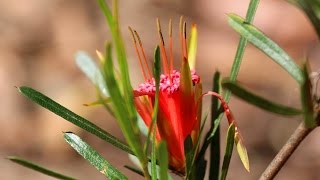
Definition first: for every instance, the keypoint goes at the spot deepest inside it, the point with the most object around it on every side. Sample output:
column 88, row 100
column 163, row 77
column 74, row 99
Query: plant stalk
column 285, row 153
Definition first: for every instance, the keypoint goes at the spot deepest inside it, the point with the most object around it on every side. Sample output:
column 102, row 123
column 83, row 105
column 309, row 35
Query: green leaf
column 155, row 114
column 307, row 101
column 198, row 162
column 93, row 157
column 91, row 69
column 235, row 67
column 265, row 44
column 188, row 151
column 38, row 168
column 113, row 22
column 154, row 156
column 156, row 72
column 258, row 101
column 228, row 152
column 215, row 145
column 163, row 160
column 70, row 116
column 127, row 123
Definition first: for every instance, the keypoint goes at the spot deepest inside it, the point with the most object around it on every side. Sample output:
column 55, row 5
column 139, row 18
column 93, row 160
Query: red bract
column 180, row 94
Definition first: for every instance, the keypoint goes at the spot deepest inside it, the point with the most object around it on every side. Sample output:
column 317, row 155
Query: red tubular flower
column 180, row 96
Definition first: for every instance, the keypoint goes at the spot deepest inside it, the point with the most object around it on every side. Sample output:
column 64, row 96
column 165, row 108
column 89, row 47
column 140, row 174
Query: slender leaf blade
column 127, row 123
column 38, row 168
column 215, row 145
column 266, row 45
column 91, row 69
column 228, row 152
column 70, row 116
column 163, row 160
column 235, row 68
column 88, row 153
column 307, row 101
column 258, row 101
column 155, row 114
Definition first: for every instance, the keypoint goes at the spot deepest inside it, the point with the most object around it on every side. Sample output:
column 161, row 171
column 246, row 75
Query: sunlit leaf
column 39, row 168
column 70, row 116
column 242, row 150
column 93, row 157
column 91, row 69
column 266, row 45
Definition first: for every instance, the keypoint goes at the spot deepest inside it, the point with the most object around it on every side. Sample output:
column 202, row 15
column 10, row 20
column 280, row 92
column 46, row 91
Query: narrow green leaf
column 93, row 157
column 70, row 116
column 228, row 152
column 306, row 100
column 258, row 101
column 199, row 164
column 154, row 156
column 156, row 72
column 163, row 160
column 112, row 20
column 91, row 69
column 155, row 113
column 188, row 151
column 215, row 145
column 266, row 45
column 126, row 122
column 38, row 168
column 235, row 68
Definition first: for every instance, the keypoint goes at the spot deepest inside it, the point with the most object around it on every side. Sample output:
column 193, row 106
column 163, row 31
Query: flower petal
column 193, row 47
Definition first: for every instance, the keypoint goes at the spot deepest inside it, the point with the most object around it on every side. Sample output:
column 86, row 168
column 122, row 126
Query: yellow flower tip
column 242, row 151
column 100, row 56
column 192, row 46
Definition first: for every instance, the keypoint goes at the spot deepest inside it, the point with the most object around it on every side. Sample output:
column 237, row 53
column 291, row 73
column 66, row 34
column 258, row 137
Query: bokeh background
column 38, row 40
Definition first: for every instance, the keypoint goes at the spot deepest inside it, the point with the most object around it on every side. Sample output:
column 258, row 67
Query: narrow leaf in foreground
column 307, row 101
column 38, row 168
column 258, row 101
column 70, row 116
column 242, row 150
column 215, row 144
column 163, row 160
column 266, row 45
column 228, row 151
column 93, row 157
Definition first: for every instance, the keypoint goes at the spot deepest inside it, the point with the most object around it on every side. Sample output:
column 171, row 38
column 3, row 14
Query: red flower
column 180, row 96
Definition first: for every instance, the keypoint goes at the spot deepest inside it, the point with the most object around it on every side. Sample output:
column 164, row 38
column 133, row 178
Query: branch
column 287, row 150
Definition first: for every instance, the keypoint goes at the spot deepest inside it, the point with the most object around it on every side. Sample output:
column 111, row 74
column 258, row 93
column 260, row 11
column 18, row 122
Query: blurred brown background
column 37, row 46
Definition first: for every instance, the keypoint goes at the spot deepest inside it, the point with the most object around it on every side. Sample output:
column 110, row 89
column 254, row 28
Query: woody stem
column 285, row 153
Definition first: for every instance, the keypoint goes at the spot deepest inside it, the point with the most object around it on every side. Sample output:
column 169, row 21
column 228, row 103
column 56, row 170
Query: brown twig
column 287, row 150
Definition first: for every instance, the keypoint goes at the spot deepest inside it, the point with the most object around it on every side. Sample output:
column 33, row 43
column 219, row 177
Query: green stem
column 234, row 70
